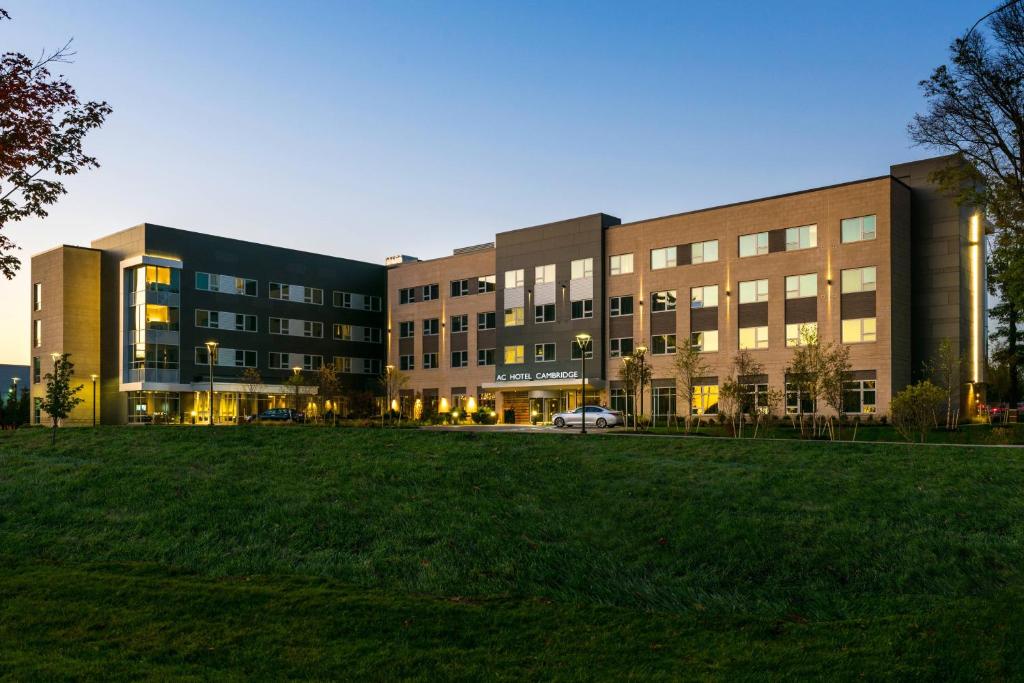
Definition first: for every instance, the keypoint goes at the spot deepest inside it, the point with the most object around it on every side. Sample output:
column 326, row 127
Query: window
column 37, row 333
column 859, row 330
column 753, row 245
column 365, row 302
column 754, row 337
column 514, row 354
column 623, row 346
column 460, row 359
column 663, row 301
column 705, row 399
column 37, row 296
column 705, row 342
column 514, row 278
column 208, row 282
column 544, row 313
column 430, row 361
column 431, row 292
column 797, row 399
column 858, row 229
column 485, row 284
column 803, row 237
column 460, row 287
column 544, row 274
column 582, row 309
column 800, row 286
column 582, row 268
column 407, row 295
column 310, row 362
column 663, row 344
column 664, row 400
column 704, row 252
column 704, row 297
column 37, row 370
column 485, row 356
column 406, row 329
column 858, row 280
column 239, row 358
column 278, row 361
column 312, row 329
column 298, row 293
column 279, row 326
column 799, row 334
column 622, row 402
column 620, row 305
column 663, row 258
column 755, row 397
column 576, row 352
column 621, row 264
column 485, row 321
column 460, row 323
column 513, row 316
column 753, row 291
column 544, row 353
column 430, row 327
column 406, row 363
column 859, row 396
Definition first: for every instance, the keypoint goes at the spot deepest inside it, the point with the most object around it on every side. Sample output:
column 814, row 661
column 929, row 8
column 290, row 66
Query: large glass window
column 485, row 284
column 859, row 330
column 514, row 316
column 859, row 396
column 514, row 278
column 663, row 301
column 622, row 402
column 798, row 401
column 663, row 344
column 581, row 269
column 704, row 252
column 156, row 407
column 753, row 245
column 544, row 353
column 705, row 400
column 798, row 334
column 858, row 229
column 622, row 346
column 514, row 354
column 544, row 274
column 544, row 313
column 621, row 264
column 704, row 297
column 582, row 309
column 664, row 399
column 800, row 286
column 859, row 280
column 804, row 237
column 753, row 291
column 620, row 306
column 664, row 257
column 705, row 342
column 754, row 337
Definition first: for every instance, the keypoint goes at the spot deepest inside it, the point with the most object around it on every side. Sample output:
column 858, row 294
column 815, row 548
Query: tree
column 392, row 380
column 975, row 111
column 628, row 371
column 60, row 397
column 639, row 373
column 690, row 365
column 328, row 388
column 42, row 126
column 944, row 368
column 253, row 382
column 297, row 381
column 736, row 399
column 914, row 410
column 819, row 372
column 835, row 373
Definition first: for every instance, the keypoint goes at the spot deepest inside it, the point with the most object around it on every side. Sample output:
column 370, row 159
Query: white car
column 596, row 415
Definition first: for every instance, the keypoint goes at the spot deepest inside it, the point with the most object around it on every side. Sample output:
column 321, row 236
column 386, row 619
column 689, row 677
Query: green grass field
column 334, row 553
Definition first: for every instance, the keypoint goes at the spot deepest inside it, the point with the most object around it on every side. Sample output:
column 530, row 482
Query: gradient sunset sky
column 374, row 128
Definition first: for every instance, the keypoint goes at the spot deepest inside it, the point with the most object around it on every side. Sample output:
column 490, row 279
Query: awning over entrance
column 553, row 384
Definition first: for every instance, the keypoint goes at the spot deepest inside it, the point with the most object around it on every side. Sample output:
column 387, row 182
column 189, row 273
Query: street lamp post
column 583, row 339
column 295, row 373
column 642, row 351
column 93, row 378
column 211, row 349
column 387, row 393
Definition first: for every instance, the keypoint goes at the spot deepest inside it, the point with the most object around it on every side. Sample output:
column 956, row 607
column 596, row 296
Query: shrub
column 915, row 410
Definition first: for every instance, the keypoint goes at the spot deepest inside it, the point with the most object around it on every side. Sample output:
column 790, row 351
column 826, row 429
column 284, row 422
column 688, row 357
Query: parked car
column 599, row 416
column 278, row 415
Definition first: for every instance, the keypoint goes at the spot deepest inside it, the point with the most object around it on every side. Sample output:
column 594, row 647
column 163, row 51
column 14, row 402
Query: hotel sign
column 536, row 376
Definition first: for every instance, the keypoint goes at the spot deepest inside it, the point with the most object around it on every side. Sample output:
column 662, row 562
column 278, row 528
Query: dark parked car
column 278, row 415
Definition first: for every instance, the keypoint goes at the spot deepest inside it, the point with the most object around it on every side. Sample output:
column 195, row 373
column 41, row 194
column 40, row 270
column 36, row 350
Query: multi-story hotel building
column 888, row 266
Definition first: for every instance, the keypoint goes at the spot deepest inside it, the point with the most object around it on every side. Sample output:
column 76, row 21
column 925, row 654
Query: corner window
column 858, row 229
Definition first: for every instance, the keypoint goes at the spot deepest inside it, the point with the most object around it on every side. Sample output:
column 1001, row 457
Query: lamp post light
column 642, row 351
column 93, row 378
column 211, row 349
column 387, row 393
column 296, row 370
column 583, row 339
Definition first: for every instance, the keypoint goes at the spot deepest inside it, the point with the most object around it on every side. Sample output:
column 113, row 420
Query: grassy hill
column 253, row 552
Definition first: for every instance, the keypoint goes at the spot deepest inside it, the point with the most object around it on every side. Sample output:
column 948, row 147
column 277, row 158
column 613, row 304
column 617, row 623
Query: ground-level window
column 705, row 400
column 756, row 398
column 859, row 396
column 664, row 399
column 157, row 407
column 798, row 400
column 622, row 401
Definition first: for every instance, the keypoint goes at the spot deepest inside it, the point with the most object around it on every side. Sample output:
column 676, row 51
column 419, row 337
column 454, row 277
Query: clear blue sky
column 367, row 129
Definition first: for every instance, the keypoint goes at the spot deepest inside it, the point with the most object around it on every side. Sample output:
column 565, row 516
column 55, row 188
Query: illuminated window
column 514, row 354
column 544, row 274
column 663, row 301
column 544, row 353
column 621, row 264
column 37, row 333
column 859, row 280
column 803, row 237
column 663, row 258
column 800, row 334
column 514, row 278
column 753, row 291
column 754, row 337
column 581, row 269
column 705, row 341
column 704, row 252
column 663, row 344
column 753, row 245
column 37, row 296
column 800, row 286
column 705, row 400
column 858, row 229
column 513, row 316
column 704, row 297
column 859, row 330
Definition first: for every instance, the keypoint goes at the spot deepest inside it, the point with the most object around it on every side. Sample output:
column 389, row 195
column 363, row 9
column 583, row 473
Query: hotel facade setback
column 887, row 266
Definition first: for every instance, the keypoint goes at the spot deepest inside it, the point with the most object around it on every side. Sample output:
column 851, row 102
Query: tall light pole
column 211, row 349
column 93, row 378
column 295, row 373
column 583, row 339
column 387, row 393
column 642, row 351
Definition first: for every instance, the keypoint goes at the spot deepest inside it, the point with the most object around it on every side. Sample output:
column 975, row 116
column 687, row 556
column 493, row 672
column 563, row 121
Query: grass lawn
column 340, row 553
